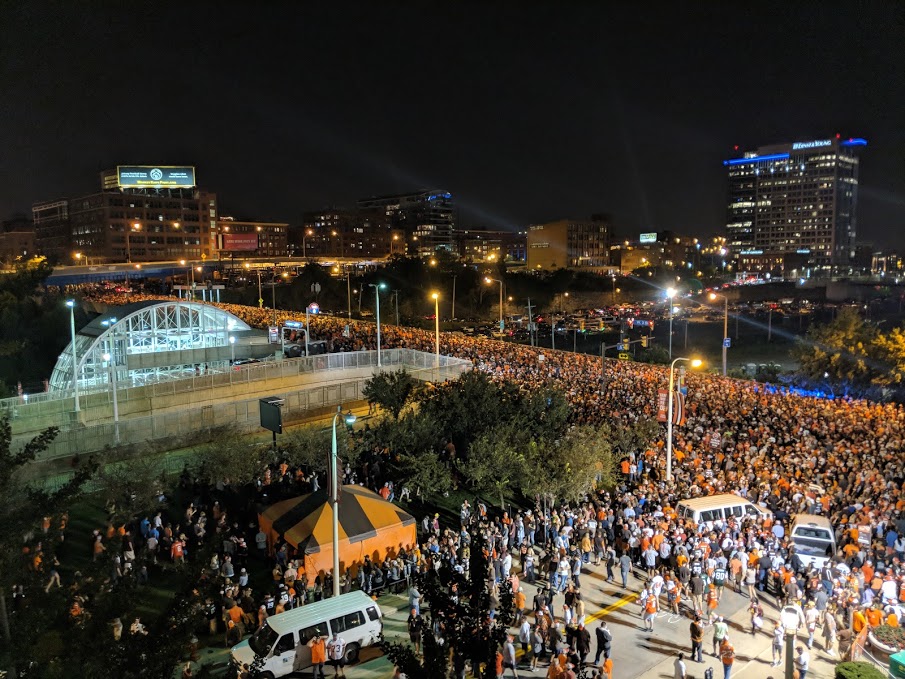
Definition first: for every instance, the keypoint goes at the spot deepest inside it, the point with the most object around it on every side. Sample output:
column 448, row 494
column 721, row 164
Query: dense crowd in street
column 839, row 458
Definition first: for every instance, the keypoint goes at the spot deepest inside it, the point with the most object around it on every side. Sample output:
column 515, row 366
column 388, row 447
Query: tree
column 21, row 514
column 496, row 461
column 837, row 355
column 232, row 460
column 390, row 390
column 633, row 438
column 467, row 631
column 890, row 349
column 130, row 487
column 310, row 446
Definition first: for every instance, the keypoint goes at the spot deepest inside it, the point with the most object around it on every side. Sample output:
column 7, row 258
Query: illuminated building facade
column 795, row 198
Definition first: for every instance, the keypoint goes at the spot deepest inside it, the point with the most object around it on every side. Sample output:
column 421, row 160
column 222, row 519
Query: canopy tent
column 368, row 525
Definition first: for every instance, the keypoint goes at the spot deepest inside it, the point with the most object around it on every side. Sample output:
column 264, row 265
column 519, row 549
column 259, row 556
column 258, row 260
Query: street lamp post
column 670, row 293
column 436, row 297
column 672, row 374
column 305, row 235
column 334, row 499
column 135, row 227
column 713, row 296
column 377, row 288
column 790, row 617
column 613, row 277
column 111, row 373
column 452, row 314
column 396, row 301
column 497, row 280
column 75, row 359
column 260, row 292
column 349, row 293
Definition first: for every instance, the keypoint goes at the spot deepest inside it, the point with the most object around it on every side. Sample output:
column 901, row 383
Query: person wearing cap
column 582, row 643
column 720, row 632
column 802, row 661
column 727, row 656
column 318, row 654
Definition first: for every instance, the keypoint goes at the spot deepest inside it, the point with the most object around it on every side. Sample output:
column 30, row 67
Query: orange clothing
column 874, row 617
column 858, row 621
column 608, row 668
column 318, row 651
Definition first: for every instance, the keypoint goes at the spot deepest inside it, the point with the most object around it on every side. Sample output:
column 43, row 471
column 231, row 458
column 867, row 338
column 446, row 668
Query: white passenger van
column 719, row 508
column 814, row 539
column 355, row 616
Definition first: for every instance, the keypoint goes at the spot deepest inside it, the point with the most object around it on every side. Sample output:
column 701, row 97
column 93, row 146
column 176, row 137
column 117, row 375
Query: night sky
column 526, row 112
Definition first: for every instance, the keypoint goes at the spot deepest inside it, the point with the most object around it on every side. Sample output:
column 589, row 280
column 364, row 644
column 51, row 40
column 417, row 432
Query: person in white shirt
column 337, row 652
column 681, row 672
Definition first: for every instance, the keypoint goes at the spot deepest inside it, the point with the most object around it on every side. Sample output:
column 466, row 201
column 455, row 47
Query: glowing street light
column 334, row 495
column 497, row 280
column 75, row 359
column 377, row 288
column 670, row 293
column 713, row 297
column 436, row 297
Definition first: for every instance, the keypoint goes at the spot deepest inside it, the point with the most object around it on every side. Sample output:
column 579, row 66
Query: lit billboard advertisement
column 155, row 176
column 239, row 242
column 648, row 238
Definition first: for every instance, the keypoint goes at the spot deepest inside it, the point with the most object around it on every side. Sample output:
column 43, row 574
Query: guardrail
column 244, row 414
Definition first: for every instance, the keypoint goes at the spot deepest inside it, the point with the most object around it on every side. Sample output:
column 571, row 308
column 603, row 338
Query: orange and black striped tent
column 368, row 525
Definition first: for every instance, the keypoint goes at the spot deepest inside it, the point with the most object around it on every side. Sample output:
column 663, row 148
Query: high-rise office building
column 428, row 219
column 357, row 233
column 142, row 214
column 797, row 197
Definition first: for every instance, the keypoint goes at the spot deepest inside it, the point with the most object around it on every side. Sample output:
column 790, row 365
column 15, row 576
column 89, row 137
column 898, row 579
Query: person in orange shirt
column 318, row 654
column 858, row 621
column 874, row 616
column 608, row 668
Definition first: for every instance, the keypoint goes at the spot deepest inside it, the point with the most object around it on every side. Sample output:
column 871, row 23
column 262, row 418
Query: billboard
column 648, row 238
column 155, row 176
column 239, row 242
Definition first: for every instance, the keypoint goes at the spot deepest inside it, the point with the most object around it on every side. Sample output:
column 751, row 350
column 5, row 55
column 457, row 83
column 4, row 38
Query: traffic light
column 581, row 325
column 645, row 341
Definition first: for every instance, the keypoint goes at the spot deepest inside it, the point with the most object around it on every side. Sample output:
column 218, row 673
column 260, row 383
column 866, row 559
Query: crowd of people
column 837, row 457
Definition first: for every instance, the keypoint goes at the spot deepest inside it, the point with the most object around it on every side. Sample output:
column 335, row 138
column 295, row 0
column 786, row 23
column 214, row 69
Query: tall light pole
column 260, row 292
column 613, row 277
column 497, row 280
column 334, row 496
column 305, row 234
column 695, row 363
column 713, row 297
column 396, row 300
column 452, row 313
column 75, row 358
column 136, row 226
column 111, row 373
column 377, row 288
column 273, row 296
column 349, row 293
column 436, row 297
column 670, row 293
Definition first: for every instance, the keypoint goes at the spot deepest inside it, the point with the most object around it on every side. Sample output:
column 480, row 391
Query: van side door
column 283, row 655
column 302, row 652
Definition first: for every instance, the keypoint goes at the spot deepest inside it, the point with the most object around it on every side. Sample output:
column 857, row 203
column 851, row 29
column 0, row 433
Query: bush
column 858, row 670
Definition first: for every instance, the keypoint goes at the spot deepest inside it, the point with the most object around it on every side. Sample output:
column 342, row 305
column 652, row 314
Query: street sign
column 502, row 325
column 727, row 342
column 314, row 308
column 315, row 288
column 273, row 334
column 623, row 356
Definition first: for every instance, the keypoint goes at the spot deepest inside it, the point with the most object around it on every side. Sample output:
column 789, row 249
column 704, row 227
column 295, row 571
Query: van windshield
column 263, row 640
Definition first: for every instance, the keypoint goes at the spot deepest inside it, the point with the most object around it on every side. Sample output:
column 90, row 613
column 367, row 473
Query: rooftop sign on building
column 155, row 176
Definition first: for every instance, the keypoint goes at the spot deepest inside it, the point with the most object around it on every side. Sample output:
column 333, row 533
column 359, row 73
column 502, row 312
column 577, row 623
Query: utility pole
column 453, row 312
column 530, row 323
column 349, row 292
column 396, row 299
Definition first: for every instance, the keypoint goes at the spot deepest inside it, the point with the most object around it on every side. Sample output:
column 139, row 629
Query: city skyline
column 525, row 115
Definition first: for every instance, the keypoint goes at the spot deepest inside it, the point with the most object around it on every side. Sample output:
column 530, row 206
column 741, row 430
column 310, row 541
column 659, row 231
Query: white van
column 355, row 616
column 814, row 539
column 719, row 508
